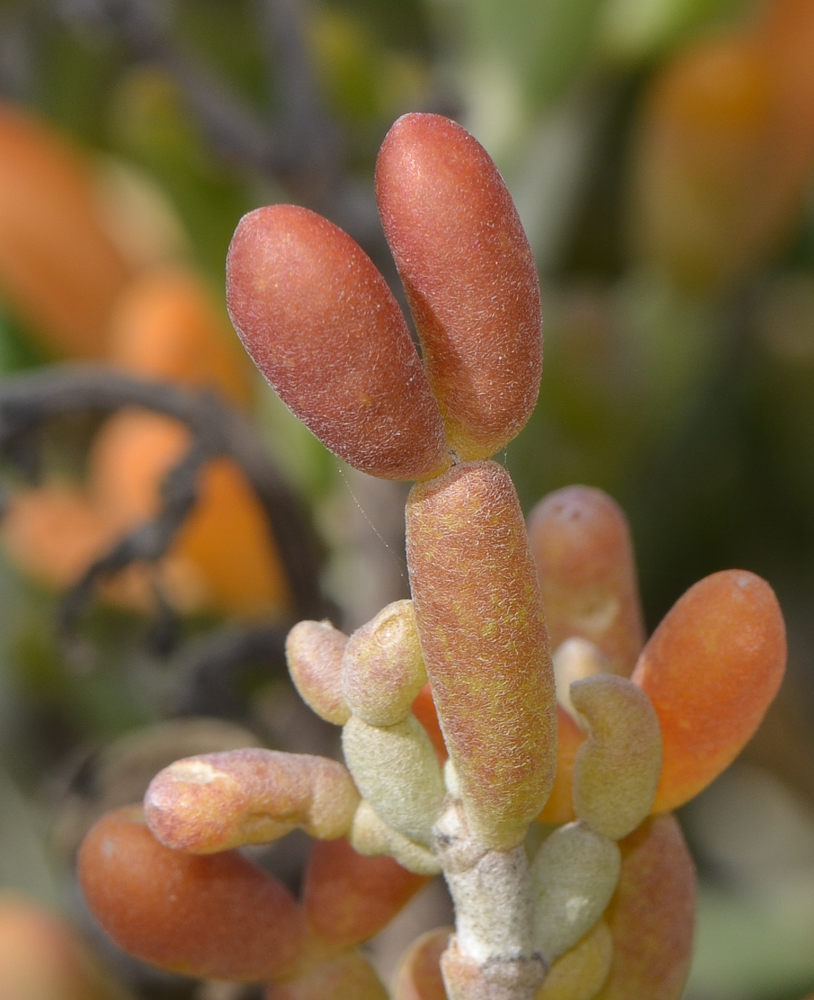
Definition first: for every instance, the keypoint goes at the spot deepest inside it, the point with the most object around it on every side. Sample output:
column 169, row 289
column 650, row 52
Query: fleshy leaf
column 348, row 976
column 580, row 973
column 581, row 544
column 560, row 805
column 218, row 801
column 216, row 917
column 652, row 915
column 574, row 875
column 314, row 653
column 424, row 710
column 470, row 278
column 396, row 770
column 372, row 836
column 349, row 897
column 711, row 669
column 617, row 769
column 382, row 667
column 418, row 976
column 321, row 324
column 481, row 623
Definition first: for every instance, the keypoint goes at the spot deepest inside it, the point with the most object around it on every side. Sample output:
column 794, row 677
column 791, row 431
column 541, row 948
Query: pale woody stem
column 493, row 906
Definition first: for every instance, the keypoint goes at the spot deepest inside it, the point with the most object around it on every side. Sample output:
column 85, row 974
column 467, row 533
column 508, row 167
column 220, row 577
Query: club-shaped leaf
column 321, row 324
column 711, row 669
column 470, row 278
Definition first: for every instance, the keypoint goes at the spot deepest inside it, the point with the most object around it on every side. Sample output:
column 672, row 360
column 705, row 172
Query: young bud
column 480, row 619
column 397, row 772
column 382, row 668
column 617, row 768
column 222, row 800
column 469, row 275
column 574, row 875
column 370, row 835
column 321, row 324
column 418, row 976
column 580, row 973
column 575, row 660
column 314, row 653
column 348, row 897
column 711, row 669
column 651, row 916
column 581, row 543
column 216, row 917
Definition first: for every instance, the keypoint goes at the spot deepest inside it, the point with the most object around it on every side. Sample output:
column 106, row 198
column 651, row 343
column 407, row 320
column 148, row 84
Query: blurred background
column 661, row 153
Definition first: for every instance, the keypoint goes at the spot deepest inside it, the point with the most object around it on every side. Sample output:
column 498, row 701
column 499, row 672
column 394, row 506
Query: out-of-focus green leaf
column 361, row 80
column 24, row 864
column 150, row 124
column 632, row 30
column 545, row 42
column 751, row 948
column 625, row 369
column 515, row 58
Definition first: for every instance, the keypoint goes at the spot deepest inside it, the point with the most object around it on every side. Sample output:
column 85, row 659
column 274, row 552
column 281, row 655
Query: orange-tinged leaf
column 725, row 151
column 321, row 324
column 53, row 533
column 418, row 976
column 711, row 669
column 560, row 805
column 130, row 455
column 42, row 958
column 424, row 710
column 166, row 327
column 652, row 915
column 216, row 917
column 480, row 620
column 581, row 543
column 227, row 537
column 349, row 897
column 469, row 275
column 58, row 268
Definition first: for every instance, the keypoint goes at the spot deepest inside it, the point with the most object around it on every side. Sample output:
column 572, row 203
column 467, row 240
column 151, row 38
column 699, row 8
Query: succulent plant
column 461, row 731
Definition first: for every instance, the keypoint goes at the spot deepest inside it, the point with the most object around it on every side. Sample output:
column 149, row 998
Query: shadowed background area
column 166, row 520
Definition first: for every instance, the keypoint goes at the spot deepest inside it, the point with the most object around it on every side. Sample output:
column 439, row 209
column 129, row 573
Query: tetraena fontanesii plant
column 541, row 790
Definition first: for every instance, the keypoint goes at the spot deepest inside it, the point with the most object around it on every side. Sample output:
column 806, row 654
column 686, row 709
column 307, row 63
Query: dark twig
column 149, row 541
column 302, row 149
column 312, row 136
column 234, row 129
column 27, row 401
column 211, row 671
